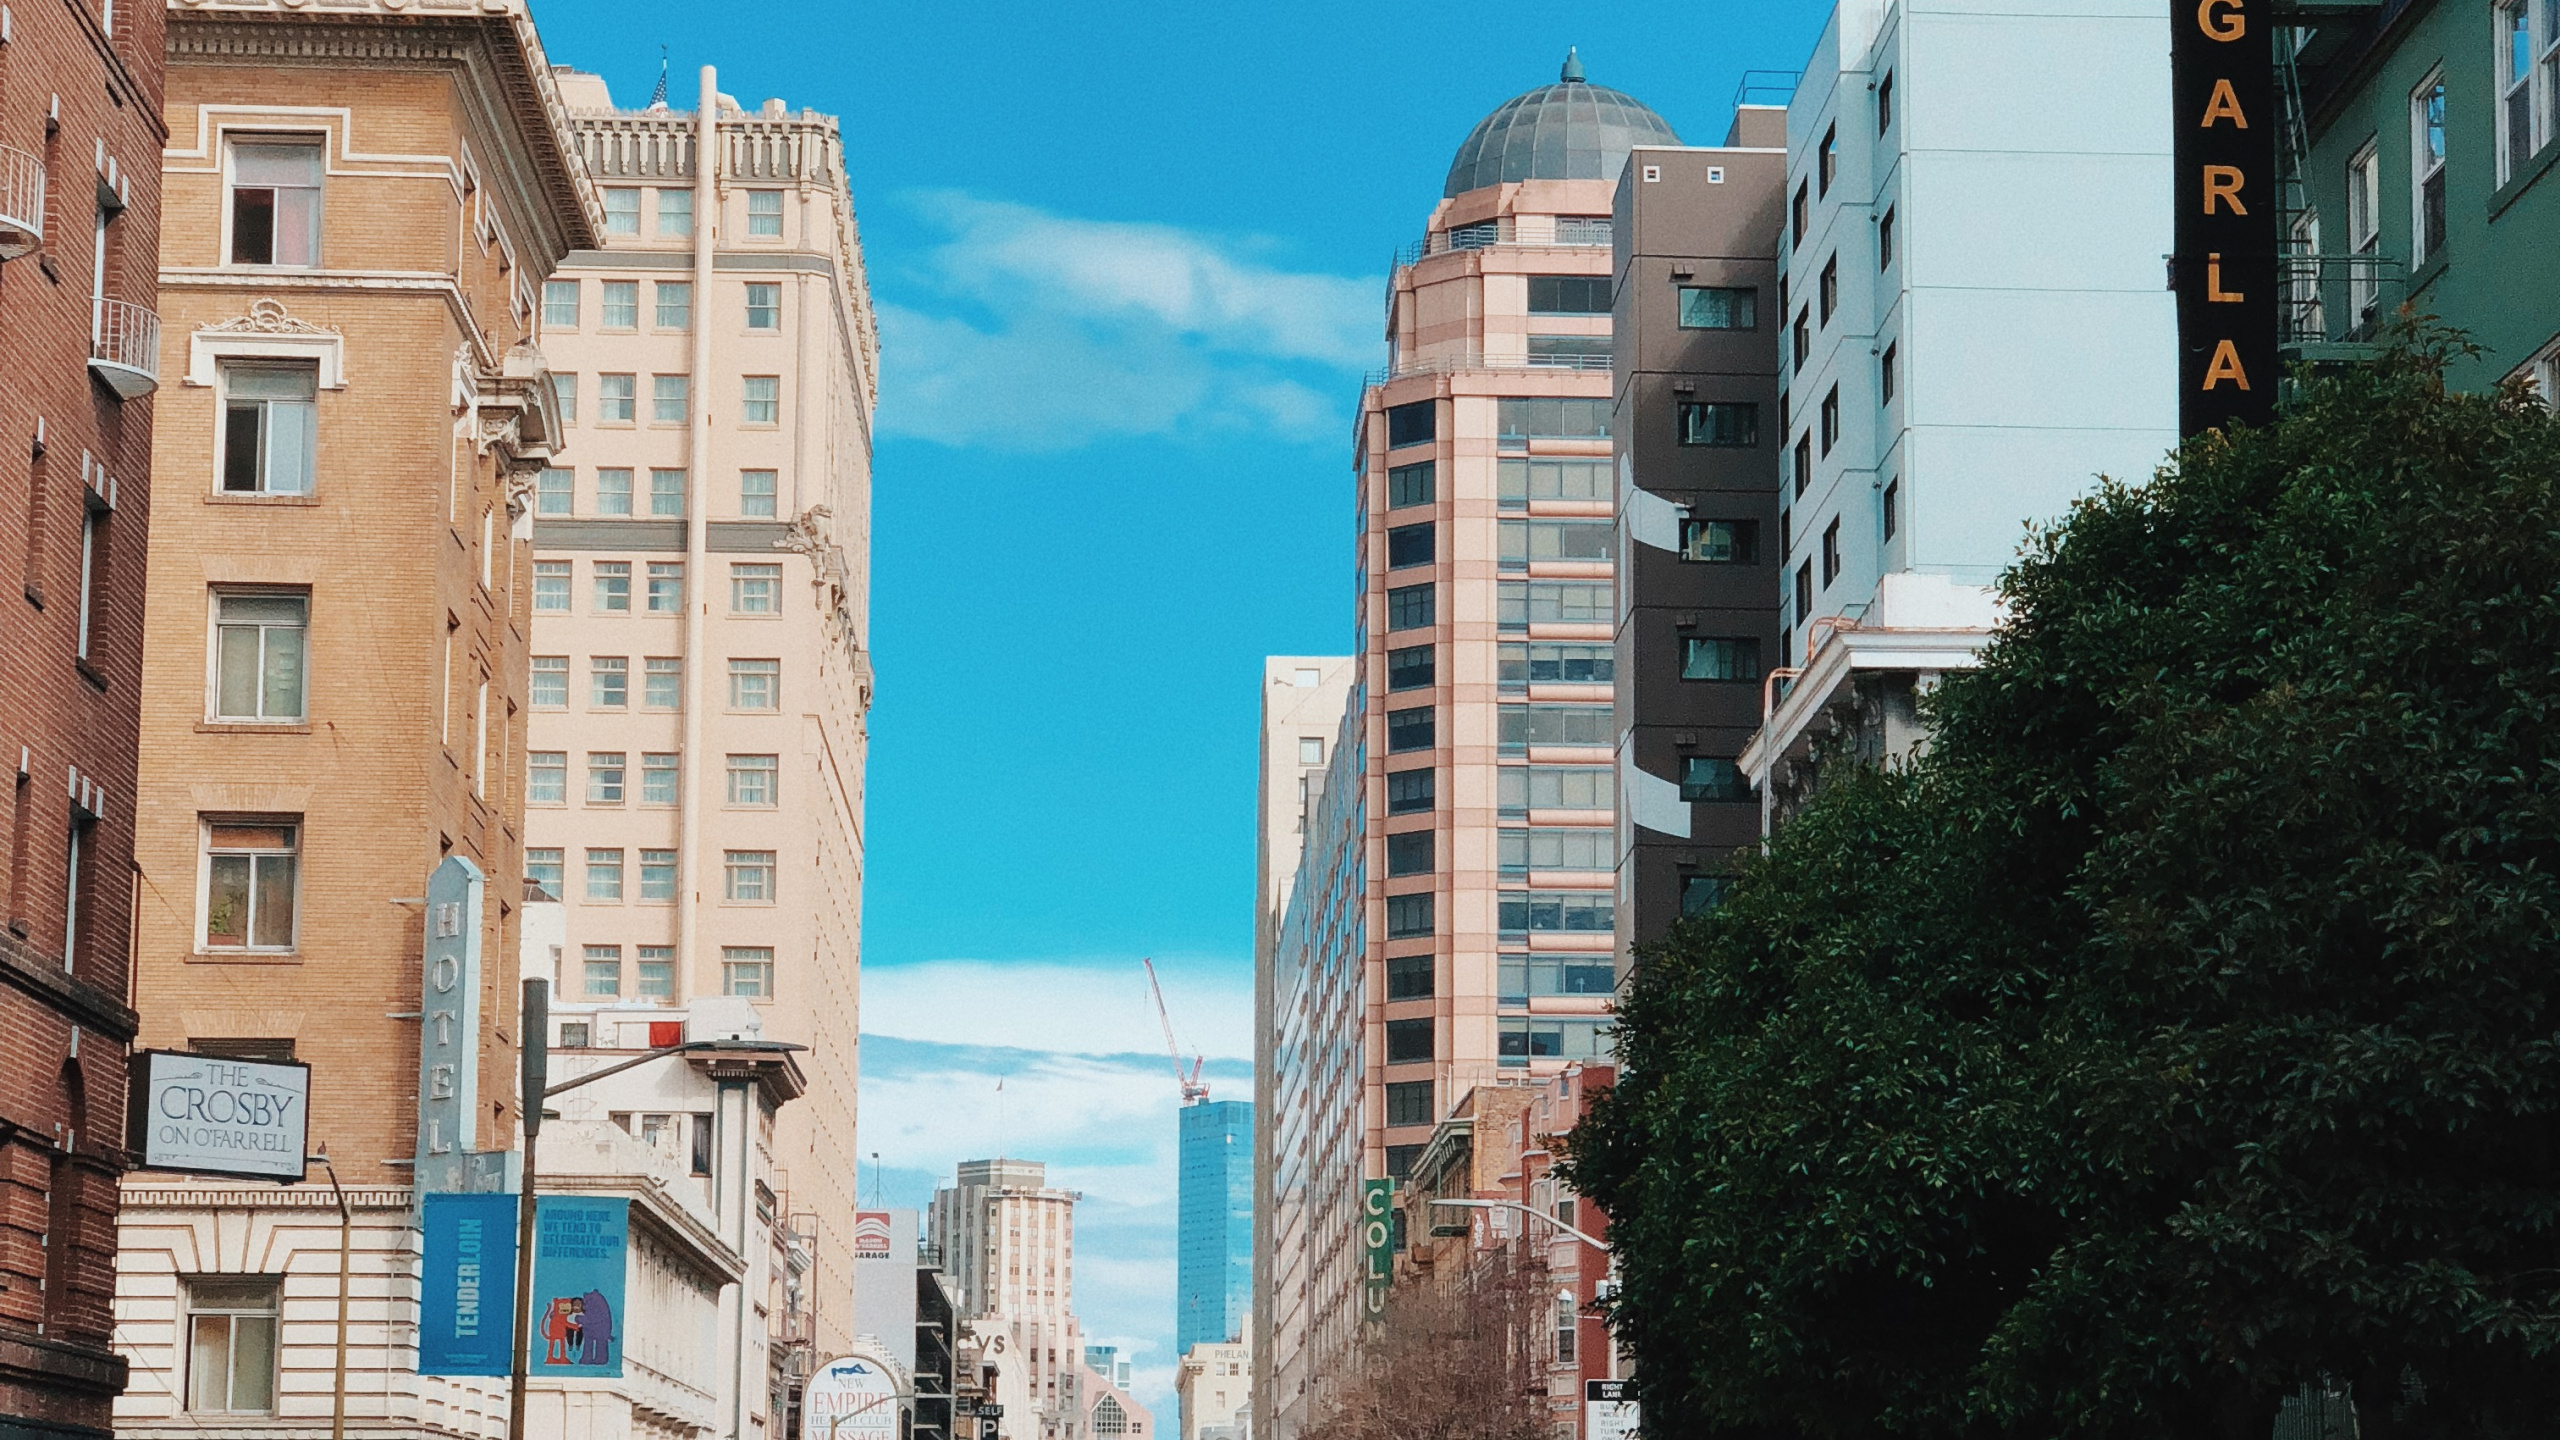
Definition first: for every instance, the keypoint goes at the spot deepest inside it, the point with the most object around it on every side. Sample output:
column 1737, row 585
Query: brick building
column 80, row 140
column 363, row 202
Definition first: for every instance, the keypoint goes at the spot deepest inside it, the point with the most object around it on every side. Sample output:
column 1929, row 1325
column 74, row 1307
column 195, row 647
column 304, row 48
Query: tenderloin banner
column 2222, row 67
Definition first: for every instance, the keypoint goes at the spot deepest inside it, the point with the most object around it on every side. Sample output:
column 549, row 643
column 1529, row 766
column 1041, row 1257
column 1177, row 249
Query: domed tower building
column 1487, row 619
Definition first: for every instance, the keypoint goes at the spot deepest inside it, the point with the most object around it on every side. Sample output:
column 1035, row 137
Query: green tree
column 2183, row 1028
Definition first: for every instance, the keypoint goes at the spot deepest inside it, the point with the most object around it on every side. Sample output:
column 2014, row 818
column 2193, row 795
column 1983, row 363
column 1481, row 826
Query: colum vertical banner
column 1377, row 1245
column 2226, row 271
column 580, row 1249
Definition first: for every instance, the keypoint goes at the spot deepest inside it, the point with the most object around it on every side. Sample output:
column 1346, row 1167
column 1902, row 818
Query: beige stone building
column 1215, row 1388
column 362, row 203
column 700, row 668
column 1008, row 1240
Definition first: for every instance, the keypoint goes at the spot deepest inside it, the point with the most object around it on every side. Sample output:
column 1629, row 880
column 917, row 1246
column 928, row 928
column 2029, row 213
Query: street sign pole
column 533, row 1027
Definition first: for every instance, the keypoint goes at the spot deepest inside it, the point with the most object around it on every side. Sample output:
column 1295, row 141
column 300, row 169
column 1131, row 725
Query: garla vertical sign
column 2222, row 68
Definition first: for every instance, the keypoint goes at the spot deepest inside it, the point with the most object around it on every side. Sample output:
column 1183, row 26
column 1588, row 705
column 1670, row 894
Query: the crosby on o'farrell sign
column 205, row 1115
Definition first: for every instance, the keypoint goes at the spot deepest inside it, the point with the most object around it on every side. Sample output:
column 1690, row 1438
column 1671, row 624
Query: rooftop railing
column 1568, row 231
column 1467, row 360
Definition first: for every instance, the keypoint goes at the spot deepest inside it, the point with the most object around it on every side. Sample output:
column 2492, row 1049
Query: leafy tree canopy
column 2183, row 1028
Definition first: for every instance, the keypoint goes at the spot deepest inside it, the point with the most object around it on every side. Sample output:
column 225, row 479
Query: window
column 675, row 212
column 1712, row 307
column 1704, row 658
column 1521, row 420
column 659, row 771
column 251, row 881
column 542, row 867
column 1409, row 607
column 1523, row 788
column 550, row 686
column 621, row 210
column 657, row 882
column 1410, row 668
column 613, row 491
column 1568, row 1326
column 604, row 777
column 2303, row 313
column 675, row 305
column 1576, row 912
column 1414, row 424
column 764, row 307
column 560, row 304
column 1800, row 214
column 764, row 212
column 1804, row 462
column 2426, row 169
column 1410, row 485
column 760, row 400
column 749, row 875
column 2364, row 235
column 1310, row 749
column 666, row 491
column 564, row 388
column 1410, row 977
column 666, row 585
column 576, row 1035
column 1523, row 603
column 1409, row 545
column 1407, row 917
column 755, row 684
column 1408, row 1041
column 1583, row 230
column 755, row 589
column 1569, row 295
column 1892, row 508
column 1702, row 893
column 621, row 305
column 1524, row 541
column 1571, row 352
column 260, row 644
column 550, row 587
column 1800, row 339
column 1523, row 1040
column 752, row 779
column 1804, row 592
column 1830, row 552
column 1720, row 542
column 604, row 874
column 269, row 440
column 1525, row 665
column 553, row 491
column 1827, row 161
column 1828, row 293
column 1409, row 853
column 662, row 682
column 2515, row 86
column 275, row 202
column 1885, row 368
column 670, row 399
column 756, row 494
column 1705, row 777
column 1884, row 241
column 609, row 682
column 657, row 965
column 1830, row 420
column 746, row 969
column 546, row 777
column 1408, row 792
column 603, row 970
column 613, row 586
column 1558, row 848
column 1520, row 481
column 1724, row 423
column 1409, row 1101
column 1884, row 103
column 231, row 1343
column 1520, row 726
column 614, row 399
column 1409, row 730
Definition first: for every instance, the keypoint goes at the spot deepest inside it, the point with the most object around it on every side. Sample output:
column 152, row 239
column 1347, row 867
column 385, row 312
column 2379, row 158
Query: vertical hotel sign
column 2222, row 64
column 449, row 1038
column 1377, row 1245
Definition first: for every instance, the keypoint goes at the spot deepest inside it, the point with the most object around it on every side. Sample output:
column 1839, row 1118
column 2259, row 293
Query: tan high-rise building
column 1008, row 1241
column 700, row 665
column 361, row 203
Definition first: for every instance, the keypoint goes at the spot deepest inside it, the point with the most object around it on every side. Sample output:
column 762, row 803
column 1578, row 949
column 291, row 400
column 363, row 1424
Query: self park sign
column 2222, row 69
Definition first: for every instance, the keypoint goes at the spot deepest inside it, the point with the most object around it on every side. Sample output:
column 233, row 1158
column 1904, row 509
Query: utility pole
column 533, row 1034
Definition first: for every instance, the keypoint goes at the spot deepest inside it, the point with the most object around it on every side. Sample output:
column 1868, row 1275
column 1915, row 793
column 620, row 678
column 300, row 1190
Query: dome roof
column 1571, row 130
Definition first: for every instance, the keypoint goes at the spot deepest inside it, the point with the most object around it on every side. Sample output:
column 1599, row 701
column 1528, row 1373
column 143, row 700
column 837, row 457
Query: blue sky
column 1129, row 261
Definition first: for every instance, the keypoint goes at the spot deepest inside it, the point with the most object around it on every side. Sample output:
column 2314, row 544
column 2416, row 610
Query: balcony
column 2334, row 305
column 21, row 203
column 124, row 347
column 1508, row 231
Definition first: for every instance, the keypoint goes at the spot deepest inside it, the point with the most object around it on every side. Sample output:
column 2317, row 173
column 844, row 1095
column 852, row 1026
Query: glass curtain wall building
column 1213, row 1283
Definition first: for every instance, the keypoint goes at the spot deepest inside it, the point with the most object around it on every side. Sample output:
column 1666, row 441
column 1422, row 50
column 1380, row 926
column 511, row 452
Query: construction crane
column 1193, row 1090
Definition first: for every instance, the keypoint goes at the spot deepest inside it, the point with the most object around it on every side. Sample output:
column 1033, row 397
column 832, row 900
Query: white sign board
column 210, row 1116
column 1606, row 1412
column 855, row 1398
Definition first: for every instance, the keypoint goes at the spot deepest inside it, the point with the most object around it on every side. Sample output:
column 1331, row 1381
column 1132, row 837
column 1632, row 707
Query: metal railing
column 2337, row 299
column 21, row 202
column 1548, row 231
column 124, row 346
column 1466, row 360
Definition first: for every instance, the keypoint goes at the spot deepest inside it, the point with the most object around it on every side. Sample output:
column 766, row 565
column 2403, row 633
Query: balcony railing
column 1466, row 360
column 2338, row 299
column 1572, row 231
column 21, row 202
column 124, row 347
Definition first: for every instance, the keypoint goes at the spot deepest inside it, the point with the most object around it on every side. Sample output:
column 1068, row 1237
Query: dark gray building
column 1699, row 427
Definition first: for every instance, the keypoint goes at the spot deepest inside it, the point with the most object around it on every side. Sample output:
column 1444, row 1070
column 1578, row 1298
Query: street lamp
column 1600, row 1245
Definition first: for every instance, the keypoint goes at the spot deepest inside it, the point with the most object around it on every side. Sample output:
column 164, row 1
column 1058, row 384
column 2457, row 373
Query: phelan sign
column 208, row 1116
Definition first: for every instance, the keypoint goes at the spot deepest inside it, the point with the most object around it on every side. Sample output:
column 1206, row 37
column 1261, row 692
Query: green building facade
column 2428, row 142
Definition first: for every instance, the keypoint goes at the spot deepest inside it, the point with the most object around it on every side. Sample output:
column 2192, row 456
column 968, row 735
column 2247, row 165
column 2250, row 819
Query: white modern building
column 1978, row 207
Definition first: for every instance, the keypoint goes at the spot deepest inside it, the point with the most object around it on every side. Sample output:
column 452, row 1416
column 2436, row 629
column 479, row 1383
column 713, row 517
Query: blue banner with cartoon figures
column 579, row 1246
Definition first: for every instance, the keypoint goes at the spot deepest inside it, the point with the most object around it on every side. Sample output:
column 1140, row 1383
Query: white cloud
column 1085, row 1008
column 1093, row 328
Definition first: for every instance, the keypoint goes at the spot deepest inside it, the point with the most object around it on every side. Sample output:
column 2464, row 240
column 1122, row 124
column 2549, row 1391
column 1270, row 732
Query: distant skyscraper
column 1213, row 1284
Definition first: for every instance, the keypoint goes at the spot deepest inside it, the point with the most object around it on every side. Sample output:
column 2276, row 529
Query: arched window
column 1109, row 1418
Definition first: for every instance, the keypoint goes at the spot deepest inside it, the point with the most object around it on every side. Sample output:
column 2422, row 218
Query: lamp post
column 1600, row 1245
